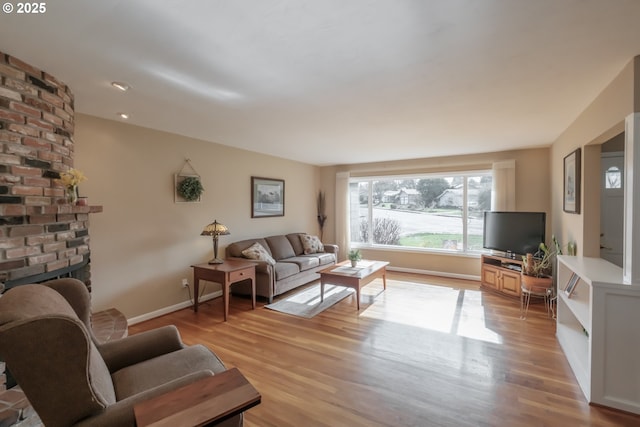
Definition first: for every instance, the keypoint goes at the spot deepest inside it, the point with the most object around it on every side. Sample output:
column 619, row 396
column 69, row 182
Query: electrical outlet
column 185, row 283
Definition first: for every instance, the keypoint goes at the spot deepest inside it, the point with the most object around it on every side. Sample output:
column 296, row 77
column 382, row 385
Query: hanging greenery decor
column 190, row 188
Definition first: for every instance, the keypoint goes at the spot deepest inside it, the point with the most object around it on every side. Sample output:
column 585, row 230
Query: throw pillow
column 311, row 244
column 258, row 252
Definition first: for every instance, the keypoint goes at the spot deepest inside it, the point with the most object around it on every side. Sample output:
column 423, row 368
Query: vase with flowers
column 70, row 179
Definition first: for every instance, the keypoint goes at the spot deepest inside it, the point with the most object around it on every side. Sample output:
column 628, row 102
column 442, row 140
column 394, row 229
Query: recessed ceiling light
column 123, row 115
column 120, row 85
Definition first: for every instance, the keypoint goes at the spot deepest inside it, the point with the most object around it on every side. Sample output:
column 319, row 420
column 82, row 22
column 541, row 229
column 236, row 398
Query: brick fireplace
column 41, row 235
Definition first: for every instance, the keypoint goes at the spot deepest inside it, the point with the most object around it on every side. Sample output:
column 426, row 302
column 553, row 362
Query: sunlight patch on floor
column 447, row 310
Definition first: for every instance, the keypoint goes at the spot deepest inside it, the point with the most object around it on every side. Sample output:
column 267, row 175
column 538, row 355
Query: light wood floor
column 426, row 352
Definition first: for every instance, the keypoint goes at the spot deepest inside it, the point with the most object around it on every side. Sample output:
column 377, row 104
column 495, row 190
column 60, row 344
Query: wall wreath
column 187, row 186
column 190, row 188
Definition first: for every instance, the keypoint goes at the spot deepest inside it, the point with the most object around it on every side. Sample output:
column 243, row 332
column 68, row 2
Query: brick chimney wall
column 39, row 232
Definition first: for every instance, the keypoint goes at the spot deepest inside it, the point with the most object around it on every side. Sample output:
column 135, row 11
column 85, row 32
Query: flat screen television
column 515, row 233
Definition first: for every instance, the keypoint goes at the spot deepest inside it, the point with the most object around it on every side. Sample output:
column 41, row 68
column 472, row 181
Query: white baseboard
column 185, row 304
column 170, row 309
column 434, row 273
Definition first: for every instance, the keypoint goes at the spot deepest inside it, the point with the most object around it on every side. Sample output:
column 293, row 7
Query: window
column 436, row 212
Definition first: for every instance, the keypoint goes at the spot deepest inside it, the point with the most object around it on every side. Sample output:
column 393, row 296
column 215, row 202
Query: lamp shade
column 215, row 229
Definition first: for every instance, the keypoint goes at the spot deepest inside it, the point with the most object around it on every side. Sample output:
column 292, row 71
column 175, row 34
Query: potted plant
column 537, row 269
column 354, row 256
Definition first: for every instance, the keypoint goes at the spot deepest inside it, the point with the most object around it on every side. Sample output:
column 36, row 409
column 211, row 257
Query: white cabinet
column 598, row 327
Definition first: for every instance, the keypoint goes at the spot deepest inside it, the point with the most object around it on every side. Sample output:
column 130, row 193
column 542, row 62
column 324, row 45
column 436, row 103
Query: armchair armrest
column 121, row 413
column 140, row 347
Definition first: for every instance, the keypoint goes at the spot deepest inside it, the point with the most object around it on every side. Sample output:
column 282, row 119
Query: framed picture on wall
column 571, row 193
column 267, row 197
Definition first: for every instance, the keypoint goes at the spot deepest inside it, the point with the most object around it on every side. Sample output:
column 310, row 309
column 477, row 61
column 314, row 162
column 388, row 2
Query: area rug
column 306, row 303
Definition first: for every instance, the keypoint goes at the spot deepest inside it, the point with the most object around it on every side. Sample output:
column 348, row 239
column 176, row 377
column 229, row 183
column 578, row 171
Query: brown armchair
column 70, row 379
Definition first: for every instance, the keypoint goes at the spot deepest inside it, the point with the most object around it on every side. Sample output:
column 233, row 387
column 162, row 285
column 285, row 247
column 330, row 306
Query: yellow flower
column 72, row 178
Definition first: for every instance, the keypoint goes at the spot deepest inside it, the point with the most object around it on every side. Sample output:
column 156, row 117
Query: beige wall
column 532, row 194
column 143, row 243
column 599, row 122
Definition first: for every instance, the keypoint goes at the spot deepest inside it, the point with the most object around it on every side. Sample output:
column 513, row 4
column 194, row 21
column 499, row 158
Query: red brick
column 52, row 99
column 65, row 235
column 68, row 253
column 11, row 94
column 21, row 150
column 40, row 144
column 76, row 259
column 42, row 259
column 54, row 247
column 12, row 210
column 42, row 219
column 55, row 193
column 22, row 252
column 38, row 104
column 53, row 80
column 41, row 124
column 48, row 155
column 11, row 72
column 26, row 171
column 66, row 217
column 83, row 249
column 64, row 115
column 25, row 67
column 36, row 181
column 25, row 230
column 52, row 119
column 10, row 115
column 8, row 159
column 24, row 108
column 21, row 86
column 50, row 136
column 57, row 265
column 23, row 129
column 10, row 137
column 61, row 150
column 15, row 242
column 40, row 239
column 10, row 179
column 37, row 201
column 20, row 190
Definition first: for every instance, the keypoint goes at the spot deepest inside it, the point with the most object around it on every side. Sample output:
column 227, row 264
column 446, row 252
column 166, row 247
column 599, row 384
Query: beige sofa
column 292, row 266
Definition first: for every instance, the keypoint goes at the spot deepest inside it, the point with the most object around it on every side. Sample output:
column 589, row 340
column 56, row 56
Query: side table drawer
column 236, row 276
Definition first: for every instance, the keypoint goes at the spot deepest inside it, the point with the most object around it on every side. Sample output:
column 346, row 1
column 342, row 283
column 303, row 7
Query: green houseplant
column 537, row 269
column 354, row 256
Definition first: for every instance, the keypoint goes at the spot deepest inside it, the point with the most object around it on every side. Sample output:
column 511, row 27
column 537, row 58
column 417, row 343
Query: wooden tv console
column 501, row 274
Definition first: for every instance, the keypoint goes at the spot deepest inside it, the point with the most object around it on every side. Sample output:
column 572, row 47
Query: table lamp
column 215, row 229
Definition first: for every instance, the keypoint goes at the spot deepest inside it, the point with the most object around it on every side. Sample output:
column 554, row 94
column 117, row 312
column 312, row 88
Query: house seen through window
column 437, row 212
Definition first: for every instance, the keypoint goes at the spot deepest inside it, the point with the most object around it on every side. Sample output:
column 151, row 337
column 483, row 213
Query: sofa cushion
column 280, row 247
column 311, row 244
column 258, row 252
column 296, row 243
column 323, row 258
column 304, row 262
column 286, row 269
column 235, row 249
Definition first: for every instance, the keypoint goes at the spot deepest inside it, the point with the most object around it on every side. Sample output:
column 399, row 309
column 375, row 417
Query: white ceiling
column 336, row 81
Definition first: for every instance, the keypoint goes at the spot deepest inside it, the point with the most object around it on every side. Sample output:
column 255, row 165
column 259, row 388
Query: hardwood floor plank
column 428, row 351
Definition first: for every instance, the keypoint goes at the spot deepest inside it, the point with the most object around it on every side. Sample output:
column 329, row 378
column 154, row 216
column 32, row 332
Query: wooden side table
column 227, row 273
column 205, row 401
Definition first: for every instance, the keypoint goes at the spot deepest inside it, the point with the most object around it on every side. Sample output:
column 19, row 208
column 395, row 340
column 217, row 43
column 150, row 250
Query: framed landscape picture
column 267, row 197
column 571, row 193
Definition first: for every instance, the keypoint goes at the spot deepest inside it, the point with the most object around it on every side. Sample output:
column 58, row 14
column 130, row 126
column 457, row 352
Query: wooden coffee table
column 353, row 277
column 200, row 403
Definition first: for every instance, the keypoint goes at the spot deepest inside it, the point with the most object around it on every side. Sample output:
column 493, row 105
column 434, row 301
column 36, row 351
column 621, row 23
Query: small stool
column 547, row 293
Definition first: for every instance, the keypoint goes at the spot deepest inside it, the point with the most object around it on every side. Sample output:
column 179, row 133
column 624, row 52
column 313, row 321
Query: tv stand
column 501, row 274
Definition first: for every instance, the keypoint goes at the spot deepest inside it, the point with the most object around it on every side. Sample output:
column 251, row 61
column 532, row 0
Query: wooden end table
column 197, row 404
column 353, row 277
column 227, row 273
